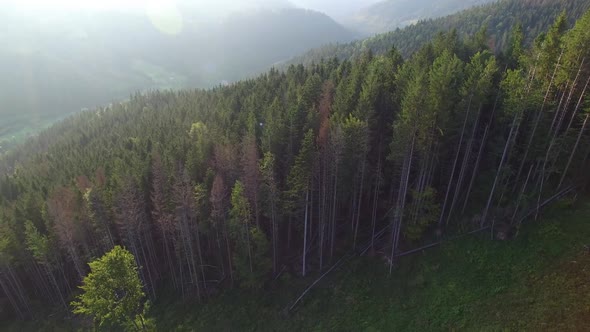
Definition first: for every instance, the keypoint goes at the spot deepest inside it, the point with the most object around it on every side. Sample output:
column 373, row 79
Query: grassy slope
column 540, row 281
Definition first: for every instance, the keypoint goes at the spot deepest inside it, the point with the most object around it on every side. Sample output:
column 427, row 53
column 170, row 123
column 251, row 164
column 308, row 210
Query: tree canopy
column 112, row 291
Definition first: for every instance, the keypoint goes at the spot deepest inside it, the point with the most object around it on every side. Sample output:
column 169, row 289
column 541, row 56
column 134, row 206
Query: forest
column 289, row 172
column 498, row 18
column 384, row 16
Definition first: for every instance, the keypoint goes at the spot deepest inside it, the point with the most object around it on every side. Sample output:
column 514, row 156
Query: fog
column 60, row 56
column 337, row 9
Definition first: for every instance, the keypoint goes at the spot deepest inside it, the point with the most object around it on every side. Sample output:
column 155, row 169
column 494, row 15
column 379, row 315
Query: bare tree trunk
column 538, row 119
column 310, row 244
column 274, row 233
column 305, row 231
column 506, row 148
column 476, row 167
column 322, row 212
column 573, row 152
column 18, row 287
column 577, row 105
column 557, row 113
column 192, row 259
column 442, row 211
column 169, row 260
column 229, row 257
column 289, row 227
column 11, row 299
column 569, row 97
column 521, row 194
column 42, row 279
column 150, row 284
column 333, row 218
column 220, row 253
column 396, row 226
column 247, row 230
column 360, row 198
column 542, row 180
column 375, row 200
column 464, row 165
column 57, row 288
column 76, row 262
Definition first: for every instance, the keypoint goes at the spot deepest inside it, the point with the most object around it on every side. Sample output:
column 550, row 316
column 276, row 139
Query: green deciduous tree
column 113, row 293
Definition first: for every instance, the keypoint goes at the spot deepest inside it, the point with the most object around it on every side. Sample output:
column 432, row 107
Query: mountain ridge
column 498, row 18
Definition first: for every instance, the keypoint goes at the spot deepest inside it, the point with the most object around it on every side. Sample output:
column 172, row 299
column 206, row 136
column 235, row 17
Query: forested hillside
column 388, row 15
column 497, row 19
column 286, row 173
column 57, row 63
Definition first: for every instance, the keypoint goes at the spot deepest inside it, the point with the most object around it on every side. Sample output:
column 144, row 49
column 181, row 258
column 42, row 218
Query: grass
column 537, row 282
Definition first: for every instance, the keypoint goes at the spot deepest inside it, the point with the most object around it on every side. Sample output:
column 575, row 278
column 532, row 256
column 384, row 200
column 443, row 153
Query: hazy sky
column 334, row 8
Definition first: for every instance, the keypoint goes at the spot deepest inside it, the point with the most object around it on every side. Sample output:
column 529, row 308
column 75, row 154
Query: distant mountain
column 337, row 9
column 499, row 18
column 392, row 14
column 61, row 62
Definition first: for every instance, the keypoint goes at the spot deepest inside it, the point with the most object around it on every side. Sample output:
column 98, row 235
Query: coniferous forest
column 496, row 17
column 291, row 171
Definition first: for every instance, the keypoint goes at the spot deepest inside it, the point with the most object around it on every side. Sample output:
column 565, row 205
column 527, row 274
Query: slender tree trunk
column 442, row 211
column 169, row 259
column 542, row 180
column 573, row 152
column 538, row 119
column 247, row 230
column 557, row 112
column 333, row 219
column 11, row 299
column 149, row 270
column 521, row 194
column 506, row 148
column 577, row 105
column 322, row 212
column 311, row 216
column 398, row 216
column 274, row 233
column 229, row 256
column 57, row 288
column 220, row 253
column 289, row 227
column 475, row 168
column 42, row 279
column 375, row 200
column 360, row 198
column 191, row 254
column 569, row 98
column 305, row 231
column 18, row 287
column 464, row 165
column 63, row 275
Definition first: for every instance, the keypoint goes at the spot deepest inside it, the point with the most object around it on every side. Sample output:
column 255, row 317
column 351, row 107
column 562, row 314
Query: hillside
column 62, row 63
column 289, row 175
column 389, row 15
column 498, row 18
column 537, row 281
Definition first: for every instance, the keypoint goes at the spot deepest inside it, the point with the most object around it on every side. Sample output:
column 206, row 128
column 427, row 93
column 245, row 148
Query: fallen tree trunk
column 347, row 256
